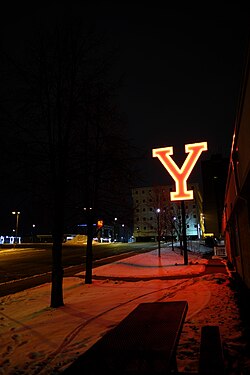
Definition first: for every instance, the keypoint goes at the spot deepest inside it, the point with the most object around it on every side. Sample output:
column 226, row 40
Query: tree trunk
column 57, row 274
column 57, row 269
column 89, row 250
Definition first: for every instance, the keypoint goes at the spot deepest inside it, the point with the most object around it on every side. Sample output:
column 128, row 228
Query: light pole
column 172, row 231
column 33, row 232
column 123, row 233
column 17, row 213
column 115, row 229
column 158, row 231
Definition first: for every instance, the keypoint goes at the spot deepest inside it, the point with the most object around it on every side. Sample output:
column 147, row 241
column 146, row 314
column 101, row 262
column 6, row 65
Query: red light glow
column 180, row 176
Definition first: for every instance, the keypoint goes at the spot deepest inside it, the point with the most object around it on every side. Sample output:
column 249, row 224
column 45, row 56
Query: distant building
column 236, row 215
column 214, row 177
column 154, row 213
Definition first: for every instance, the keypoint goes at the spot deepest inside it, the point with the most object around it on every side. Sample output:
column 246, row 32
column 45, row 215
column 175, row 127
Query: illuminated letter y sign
column 180, row 176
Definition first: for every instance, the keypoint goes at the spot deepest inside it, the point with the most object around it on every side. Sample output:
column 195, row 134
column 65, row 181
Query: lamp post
column 123, row 233
column 172, row 231
column 17, row 213
column 158, row 231
column 115, row 229
column 33, row 232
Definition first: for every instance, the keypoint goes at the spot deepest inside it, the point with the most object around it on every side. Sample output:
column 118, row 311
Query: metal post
column 17, row 213
column 158, row 232
column 184, row 234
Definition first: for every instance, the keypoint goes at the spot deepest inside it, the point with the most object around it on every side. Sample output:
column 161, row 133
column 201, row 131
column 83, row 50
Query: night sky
column 182, row 65
column 182, row 68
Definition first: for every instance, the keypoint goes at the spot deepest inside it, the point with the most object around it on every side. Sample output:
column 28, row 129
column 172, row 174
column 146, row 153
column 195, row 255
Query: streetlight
column 123, row 233
column 172, row 231
column 158, row 231
column 115, row 232
column 33, row 232
column 17, row 213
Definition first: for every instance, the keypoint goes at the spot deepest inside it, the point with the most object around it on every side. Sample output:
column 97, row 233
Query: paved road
column 25, row 268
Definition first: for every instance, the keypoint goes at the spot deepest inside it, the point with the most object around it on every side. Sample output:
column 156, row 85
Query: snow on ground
column 36, row 339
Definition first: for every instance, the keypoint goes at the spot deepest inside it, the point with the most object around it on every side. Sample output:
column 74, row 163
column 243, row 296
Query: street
column 30, row 265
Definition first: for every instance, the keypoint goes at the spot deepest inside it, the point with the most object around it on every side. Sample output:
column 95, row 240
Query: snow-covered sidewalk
column 150, row 264
column 36, row 339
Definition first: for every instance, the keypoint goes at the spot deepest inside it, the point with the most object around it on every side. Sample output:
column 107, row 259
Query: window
column 137, row 210
column 194, row 216
column 143, row 209
column 143, row 201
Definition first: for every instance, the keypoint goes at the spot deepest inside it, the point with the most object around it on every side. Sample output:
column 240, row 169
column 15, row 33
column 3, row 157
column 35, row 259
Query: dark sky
column 183, row 66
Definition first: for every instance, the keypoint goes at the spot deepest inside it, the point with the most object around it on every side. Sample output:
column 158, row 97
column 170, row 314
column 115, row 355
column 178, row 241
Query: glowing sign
column 180, row 176
column 99, row 223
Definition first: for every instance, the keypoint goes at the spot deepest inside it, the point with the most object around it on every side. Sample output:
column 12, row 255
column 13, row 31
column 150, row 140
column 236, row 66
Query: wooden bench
column 144, row 342
column 211, row 361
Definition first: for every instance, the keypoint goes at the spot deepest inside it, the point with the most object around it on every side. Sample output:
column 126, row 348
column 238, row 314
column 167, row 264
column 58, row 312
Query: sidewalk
column 36, row 339
column 169, row 265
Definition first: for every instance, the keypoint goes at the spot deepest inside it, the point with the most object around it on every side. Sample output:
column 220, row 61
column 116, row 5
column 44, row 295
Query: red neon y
column 180, row 176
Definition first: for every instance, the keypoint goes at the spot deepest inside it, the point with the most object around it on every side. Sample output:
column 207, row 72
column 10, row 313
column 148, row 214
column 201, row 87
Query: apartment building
column 155, row 214
column 236, row 215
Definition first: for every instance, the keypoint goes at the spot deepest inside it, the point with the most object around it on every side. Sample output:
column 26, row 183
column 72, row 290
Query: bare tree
column 168, row 215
